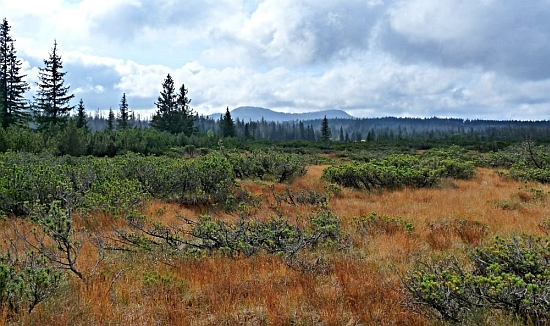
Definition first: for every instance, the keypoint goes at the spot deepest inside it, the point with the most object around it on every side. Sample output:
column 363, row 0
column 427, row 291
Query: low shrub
column 511, row 275
column 398, row 171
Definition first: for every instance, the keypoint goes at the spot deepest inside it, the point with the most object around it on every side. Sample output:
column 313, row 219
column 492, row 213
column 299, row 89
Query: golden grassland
column 362, row 285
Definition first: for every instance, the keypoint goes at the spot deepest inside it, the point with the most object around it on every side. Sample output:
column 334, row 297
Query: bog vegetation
column 268, row 236
column 184, row 224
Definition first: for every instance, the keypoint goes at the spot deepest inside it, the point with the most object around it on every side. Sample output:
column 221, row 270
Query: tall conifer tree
column 123, row 120
column 111, row 120
column 166, row 103
column 186, row 115
column 81, row 121
column 227, row 126
column 325, row 131
column 173, row 111
column 13, row 106
column 52, row 98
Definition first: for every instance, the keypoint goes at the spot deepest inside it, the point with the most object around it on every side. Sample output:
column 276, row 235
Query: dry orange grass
column 362, row 286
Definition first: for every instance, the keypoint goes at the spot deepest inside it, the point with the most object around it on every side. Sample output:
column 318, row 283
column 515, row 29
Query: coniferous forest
column 181, row 219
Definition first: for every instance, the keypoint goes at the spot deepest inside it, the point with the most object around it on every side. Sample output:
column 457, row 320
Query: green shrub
column 95, row 183
column 512, row 276
column 26, row 281
column 263, row 164
column 398, row 171
column 246, row 236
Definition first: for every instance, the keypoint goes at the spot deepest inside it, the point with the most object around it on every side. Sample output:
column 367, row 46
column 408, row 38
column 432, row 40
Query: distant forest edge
column 252, row 113
column 353, row 129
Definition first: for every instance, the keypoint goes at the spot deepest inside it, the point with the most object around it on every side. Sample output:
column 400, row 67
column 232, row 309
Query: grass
column 362, row 285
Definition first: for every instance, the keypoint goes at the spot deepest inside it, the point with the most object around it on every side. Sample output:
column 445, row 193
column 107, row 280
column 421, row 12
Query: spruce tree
column 310, row 133
column 166, row 103
column 227, row 126
column 173, row 111
column 325, row 131
column 123, row 120
column 301, row 131
column 111, row 120
column 52, row 98
column 186, row 115
column 81, row 120
column 13, row 106
column 5, row 40
column 371, row 136
column 247, row 135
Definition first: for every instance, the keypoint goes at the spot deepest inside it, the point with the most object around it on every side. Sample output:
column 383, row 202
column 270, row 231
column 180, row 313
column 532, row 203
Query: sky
column 474, row 59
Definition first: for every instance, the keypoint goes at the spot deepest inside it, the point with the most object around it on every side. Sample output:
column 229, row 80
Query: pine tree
column 325, row 131
column 13, row 106
column 81, row 120
column 341, row 138
column 227, row 126
column 123, row 120
column 52, row 98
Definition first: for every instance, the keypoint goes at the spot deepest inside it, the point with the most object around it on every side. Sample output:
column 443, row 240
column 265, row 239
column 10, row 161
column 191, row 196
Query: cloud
column 511, row 38
column 374, row 85
column 299, row 32
column 130, row 20
column 461, row 58
column 32, row 7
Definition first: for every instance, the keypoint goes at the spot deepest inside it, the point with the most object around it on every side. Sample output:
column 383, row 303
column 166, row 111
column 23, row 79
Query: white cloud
column 437, row 20
column 141, row 81
column 32, row 7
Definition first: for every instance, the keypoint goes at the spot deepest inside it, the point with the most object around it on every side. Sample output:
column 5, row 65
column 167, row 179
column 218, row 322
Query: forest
column 187, row 220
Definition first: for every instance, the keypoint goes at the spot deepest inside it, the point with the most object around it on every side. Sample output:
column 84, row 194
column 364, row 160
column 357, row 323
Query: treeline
column 459, row 131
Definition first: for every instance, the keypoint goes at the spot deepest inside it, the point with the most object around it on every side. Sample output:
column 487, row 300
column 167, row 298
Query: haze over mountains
column 251, row 113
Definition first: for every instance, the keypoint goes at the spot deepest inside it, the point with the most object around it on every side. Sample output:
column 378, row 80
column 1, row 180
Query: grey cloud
column 128, row 21
column 306, row 32
column 511, row 38
column 344, row 27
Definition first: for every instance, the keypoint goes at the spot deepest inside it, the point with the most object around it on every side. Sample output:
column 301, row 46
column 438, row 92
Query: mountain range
column 251, row 113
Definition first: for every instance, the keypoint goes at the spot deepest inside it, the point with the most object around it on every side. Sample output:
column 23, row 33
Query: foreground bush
column 244, row 237
column 512, row 276
column 25, row 281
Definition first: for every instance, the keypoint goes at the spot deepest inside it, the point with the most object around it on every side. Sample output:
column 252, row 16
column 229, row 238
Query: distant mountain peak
column 252, row 113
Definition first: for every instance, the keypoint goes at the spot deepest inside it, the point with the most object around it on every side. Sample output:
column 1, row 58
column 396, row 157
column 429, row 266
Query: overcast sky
column 487, row 59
